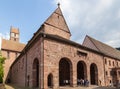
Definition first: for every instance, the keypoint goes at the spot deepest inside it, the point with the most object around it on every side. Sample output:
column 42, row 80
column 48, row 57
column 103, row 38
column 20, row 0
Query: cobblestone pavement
column 67, row 87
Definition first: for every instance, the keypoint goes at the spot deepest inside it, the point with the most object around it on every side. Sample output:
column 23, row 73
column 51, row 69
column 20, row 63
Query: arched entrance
column 50, row 80
column 81, row 71
column 36, row 73
column 65, row 72
column 93, row 74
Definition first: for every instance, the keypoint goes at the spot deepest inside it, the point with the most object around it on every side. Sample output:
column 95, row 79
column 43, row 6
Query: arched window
column 50, row 80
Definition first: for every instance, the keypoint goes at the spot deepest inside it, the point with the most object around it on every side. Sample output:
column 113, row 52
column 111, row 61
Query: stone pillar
column 56, row 79
column 74, row 76
column 88, row 73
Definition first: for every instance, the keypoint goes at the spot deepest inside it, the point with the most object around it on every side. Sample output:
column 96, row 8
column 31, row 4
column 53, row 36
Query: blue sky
column 27, row 15
column 99, row 19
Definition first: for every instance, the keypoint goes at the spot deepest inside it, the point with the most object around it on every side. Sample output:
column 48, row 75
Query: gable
column 88, row 43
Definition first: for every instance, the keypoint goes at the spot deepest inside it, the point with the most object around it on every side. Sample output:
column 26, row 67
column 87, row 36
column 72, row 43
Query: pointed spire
column 58, row 4
column 57, row 22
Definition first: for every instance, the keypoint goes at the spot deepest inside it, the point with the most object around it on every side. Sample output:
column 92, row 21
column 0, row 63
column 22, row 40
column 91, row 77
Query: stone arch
column 35, row 73
column 93, row 74
column 65, row 72
column 81, row 71
column 50, row 80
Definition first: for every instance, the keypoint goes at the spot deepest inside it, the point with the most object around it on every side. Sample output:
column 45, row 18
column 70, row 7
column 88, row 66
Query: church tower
column 14, row 34
column 56, row 24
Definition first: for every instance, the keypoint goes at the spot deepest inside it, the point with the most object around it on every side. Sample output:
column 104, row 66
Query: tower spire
column 58, row 4
column 57, row 25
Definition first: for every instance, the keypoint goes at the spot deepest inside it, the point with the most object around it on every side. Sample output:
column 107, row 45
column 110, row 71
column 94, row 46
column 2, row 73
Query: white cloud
column 97, row 18
column 5, row 36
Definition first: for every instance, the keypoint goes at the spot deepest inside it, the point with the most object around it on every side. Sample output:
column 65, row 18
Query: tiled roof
column 104, row 48
column 12, row 45
column 14, row 30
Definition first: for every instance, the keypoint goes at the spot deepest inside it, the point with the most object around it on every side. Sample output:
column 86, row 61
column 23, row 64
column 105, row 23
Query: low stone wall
column 2, row 86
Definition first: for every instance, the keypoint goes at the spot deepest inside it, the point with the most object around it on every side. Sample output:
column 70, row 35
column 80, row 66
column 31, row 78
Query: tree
column 2, row 59
column 118, row 48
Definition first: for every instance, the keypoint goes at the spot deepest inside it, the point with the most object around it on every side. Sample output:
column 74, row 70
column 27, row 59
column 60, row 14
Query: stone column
column 74, row 76
column 56, row 79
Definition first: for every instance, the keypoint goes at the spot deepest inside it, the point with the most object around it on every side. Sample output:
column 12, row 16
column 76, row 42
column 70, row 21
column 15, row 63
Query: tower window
column 12, row 34
column 16, row 35
column 14, row 39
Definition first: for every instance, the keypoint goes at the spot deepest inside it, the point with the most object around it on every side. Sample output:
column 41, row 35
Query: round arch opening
column 35, row 73
column 81, row 71
column 65, row 72
column 93, row 74
column 50, row 80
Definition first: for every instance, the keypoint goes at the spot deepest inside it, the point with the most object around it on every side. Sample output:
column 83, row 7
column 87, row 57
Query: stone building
column 51, row 59
column 11, row 49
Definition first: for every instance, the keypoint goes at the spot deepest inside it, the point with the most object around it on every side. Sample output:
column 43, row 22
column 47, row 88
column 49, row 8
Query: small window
column 12, row 34
column 105, row 61
column 113, row 63
column 14, row 39
column 16, row 35
column 117, row 63
column 106, row 73
column 109, row 63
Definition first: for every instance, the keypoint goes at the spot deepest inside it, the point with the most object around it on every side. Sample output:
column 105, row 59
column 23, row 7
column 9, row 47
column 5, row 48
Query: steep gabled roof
column 57, row 20
column 101, row 47
column 12, row 45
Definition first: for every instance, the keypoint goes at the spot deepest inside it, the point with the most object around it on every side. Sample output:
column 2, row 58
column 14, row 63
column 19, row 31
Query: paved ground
column 91, row 87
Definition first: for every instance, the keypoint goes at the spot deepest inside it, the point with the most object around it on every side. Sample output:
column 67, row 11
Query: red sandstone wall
column 55, row 31
column 19, row 70
column 110, row 63
column 8, row 62
column 54, row 51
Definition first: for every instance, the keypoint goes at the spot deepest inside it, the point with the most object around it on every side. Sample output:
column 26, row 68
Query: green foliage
column 2, row 59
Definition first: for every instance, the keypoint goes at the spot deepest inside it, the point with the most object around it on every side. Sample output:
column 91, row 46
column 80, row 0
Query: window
column 16, row 35
column 109, row 63
column 106, row 73
column 117, row 63
column 12, row 34
column 113, row 63
column 14, row 39
column 105, row 61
